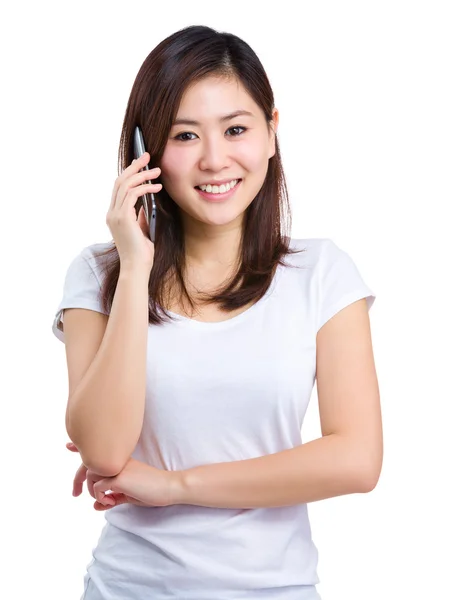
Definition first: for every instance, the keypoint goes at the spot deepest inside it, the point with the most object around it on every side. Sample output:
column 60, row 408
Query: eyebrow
column 232, row 115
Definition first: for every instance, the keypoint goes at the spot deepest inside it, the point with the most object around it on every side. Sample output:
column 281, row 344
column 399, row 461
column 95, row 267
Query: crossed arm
column 346, row 459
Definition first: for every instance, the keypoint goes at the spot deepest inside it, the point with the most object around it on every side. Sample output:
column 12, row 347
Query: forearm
column 105, row 413
column 323, row 468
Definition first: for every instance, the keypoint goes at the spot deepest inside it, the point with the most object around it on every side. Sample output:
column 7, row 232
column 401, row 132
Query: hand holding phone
column 148, row 200
column 135, row 248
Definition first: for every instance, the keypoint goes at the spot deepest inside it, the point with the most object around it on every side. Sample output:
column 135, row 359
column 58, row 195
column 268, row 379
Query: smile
column 218, row 189
column 228, row 190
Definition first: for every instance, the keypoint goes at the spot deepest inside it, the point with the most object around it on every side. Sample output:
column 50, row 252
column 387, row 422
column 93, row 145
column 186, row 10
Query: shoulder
column 95, row 253
column 87, row 268
column 94, row 258
column 321, row 254
column 327, row 276
column 311, row 252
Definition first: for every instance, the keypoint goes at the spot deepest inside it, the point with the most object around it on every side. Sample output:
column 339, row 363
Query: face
column 212, row 149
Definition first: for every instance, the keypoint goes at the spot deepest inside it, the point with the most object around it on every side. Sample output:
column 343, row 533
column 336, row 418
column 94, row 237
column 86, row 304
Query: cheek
column 253, row 157
column 173, row 165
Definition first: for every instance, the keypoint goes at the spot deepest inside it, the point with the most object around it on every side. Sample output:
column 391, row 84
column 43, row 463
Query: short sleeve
column 340, row 283
column 81, row 290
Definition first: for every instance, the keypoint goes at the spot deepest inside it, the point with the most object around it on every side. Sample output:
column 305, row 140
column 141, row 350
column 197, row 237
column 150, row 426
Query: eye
column 237, row 127
column 179, row 137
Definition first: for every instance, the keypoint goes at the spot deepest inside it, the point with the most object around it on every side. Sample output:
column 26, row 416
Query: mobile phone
column 148, row 200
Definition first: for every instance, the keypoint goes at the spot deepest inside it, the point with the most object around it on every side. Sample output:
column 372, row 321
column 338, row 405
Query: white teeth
column 218, row 189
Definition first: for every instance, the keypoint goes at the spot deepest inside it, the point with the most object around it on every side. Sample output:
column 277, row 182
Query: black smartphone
column 148, row 200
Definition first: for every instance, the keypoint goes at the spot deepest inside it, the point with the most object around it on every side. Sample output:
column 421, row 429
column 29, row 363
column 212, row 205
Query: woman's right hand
column 131, row 235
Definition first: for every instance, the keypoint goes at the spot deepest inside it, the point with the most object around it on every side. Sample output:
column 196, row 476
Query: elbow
column 369, row 474
column 104, row 468
column 367, row 483
column 98, row 463
column 96, row 460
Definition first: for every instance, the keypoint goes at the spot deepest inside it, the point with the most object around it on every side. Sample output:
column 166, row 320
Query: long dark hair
column 181, row 59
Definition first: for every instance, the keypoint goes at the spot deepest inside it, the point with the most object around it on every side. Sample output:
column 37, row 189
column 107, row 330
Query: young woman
column 192, row 359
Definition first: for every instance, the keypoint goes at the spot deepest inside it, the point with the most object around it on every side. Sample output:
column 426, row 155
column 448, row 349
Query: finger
column 135, row 175
column 111, row 501
column 118, row 498
column 115, row 497
column 141, row 219
column 100, row 507
column 136, row 165
column 90, row 484
column 137, row 186
column 107, row 503
column 80, row 477
column 102, row 486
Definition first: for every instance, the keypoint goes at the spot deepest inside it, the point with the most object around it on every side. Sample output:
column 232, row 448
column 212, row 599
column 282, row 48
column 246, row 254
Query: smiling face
column 213, row 149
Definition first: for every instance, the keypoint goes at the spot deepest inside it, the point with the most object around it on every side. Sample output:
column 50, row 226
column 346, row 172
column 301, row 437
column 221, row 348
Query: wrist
column 134, row 271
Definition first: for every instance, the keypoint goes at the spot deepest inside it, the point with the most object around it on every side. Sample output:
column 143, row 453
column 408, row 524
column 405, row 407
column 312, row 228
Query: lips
column 210, row 197
column 222, row 183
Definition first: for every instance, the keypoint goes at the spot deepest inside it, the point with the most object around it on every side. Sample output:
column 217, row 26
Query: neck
column 210, row 247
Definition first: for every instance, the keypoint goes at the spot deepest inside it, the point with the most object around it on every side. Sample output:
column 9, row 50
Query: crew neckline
column 181, row 320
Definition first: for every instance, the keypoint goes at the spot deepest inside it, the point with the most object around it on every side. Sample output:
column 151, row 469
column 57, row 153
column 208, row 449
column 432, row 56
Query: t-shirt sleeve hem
column 346, row 301
column 86, row 303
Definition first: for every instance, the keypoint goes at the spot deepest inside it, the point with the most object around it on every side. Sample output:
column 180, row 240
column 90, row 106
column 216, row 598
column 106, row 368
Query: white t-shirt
column 219, row 392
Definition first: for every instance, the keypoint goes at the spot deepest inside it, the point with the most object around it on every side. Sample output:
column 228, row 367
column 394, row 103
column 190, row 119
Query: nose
column 214, row 154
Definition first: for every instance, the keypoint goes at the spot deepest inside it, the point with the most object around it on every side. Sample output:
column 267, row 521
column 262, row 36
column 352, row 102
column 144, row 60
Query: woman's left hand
column 137, row 483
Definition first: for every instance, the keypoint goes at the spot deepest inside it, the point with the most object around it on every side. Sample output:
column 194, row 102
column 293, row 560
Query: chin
column 221, row 221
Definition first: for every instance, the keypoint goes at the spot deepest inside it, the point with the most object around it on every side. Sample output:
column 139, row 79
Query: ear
column 273, row 129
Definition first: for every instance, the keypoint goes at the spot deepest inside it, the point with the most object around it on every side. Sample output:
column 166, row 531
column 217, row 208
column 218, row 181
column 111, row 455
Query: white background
column 375, row 129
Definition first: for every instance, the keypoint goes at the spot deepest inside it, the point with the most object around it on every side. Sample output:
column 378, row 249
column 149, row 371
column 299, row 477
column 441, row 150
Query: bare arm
column 105, row 409
column 347, row 459
column 329, row 466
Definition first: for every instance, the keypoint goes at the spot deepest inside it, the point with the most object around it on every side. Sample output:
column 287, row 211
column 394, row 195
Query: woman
column 191, row 360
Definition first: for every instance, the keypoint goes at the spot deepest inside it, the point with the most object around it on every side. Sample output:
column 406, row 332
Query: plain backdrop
column 375, row 129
